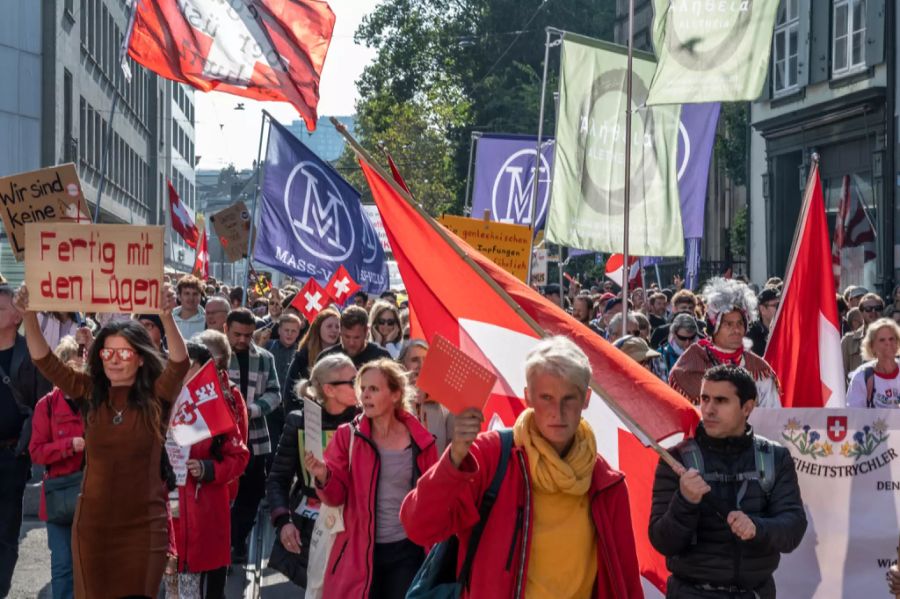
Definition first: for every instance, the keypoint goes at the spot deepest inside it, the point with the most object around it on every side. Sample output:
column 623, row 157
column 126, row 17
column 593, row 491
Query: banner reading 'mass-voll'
column 847, row 464
column 94, row 268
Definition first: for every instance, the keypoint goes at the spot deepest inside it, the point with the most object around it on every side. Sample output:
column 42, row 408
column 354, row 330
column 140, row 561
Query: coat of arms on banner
column 809, row 442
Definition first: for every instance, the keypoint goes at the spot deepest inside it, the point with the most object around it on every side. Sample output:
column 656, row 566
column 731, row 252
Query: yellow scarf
column 551, row 473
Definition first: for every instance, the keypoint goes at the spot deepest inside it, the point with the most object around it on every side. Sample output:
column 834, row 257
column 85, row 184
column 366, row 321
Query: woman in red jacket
column 561, row 525
column 373, row 558
column 57, row 443
column 202, row 515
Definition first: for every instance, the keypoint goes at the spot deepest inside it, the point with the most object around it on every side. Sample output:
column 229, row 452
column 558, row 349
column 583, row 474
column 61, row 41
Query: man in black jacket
column 723, row 523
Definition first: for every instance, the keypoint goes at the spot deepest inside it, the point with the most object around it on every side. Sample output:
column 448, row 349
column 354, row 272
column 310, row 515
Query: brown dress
column 120, row 534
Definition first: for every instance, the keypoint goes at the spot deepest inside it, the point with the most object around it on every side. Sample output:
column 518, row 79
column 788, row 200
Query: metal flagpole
column 537, row 159
column 107, row 137
column 262, row 127
column 627, row 189
column 467, row 207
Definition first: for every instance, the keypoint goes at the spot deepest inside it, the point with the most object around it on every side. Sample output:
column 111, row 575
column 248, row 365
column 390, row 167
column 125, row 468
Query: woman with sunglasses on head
column 385, row 329
column 373, row 558
column 202, row 518
column 292, row 497
column 324, row 332
column 119, row 535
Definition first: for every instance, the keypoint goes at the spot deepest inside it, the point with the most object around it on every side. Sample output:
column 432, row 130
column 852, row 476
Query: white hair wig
column 722, row 296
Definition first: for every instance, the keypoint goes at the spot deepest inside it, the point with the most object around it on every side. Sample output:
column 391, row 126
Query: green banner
column 711, row 50
column 587, row 198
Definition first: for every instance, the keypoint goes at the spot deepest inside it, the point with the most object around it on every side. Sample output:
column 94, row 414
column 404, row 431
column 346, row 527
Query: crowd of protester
column 88, row 398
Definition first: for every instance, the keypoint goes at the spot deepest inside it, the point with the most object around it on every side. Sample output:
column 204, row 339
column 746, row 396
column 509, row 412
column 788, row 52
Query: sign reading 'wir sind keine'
column 94, row 268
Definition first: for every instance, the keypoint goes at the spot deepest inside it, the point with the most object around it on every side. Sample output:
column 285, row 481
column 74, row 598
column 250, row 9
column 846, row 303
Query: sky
column 225, row 135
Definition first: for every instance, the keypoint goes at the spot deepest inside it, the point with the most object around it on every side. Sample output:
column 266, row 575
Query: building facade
column 831, row 90
column 61, row 61
column 325, row 142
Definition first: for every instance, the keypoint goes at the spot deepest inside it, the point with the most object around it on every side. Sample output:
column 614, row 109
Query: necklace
column 117, row 419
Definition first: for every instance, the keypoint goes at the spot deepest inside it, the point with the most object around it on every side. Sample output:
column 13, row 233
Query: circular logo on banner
column 684, row 149
column 703, row 35
column 603, row 167
column 318, row 215
column 513, row 188
column 370, row 241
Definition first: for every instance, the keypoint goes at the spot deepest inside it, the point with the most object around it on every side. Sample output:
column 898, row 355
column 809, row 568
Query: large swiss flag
column 804, row 346
column 495, row 318
column 260, row 49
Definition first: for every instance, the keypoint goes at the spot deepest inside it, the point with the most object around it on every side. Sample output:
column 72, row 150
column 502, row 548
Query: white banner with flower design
column 849, row 472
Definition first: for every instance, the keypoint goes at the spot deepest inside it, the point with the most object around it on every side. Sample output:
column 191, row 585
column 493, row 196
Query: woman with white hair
column 560, row 525
column 876, row 384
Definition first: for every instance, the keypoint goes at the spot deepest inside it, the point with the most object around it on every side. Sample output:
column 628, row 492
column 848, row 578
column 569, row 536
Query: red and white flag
column 805, row 343
column 443, row 274
column 311, row 299
column 854, row 239
column 261, row 49
column 181, row 219
column 341, row 286
column 615, row 270
column 201, row 260
column 200, row 412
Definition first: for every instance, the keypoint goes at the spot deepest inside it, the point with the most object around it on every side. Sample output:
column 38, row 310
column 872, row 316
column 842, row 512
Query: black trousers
column 682, row 589
column 251, row 490
column 212, row 583
column 14, row 473
column 394, row 567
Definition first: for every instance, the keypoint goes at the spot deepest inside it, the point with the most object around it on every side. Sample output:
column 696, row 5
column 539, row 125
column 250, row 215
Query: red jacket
column 53, row 427
column 349, row 572
column 203, row 526
column 240, row 416
column 446, row 499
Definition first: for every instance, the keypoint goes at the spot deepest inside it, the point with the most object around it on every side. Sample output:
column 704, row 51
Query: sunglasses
column 683, row 338
column 350, row 382
column 877, row 308
column 391, row 322
column 125, row 354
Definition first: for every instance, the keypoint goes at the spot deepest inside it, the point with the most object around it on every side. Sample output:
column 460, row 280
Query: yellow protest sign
column 506, row 245
column 47, row 195
column 94, row 268
column 232, row 227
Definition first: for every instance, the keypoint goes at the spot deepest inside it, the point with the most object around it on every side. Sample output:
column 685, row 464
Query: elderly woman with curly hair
column 120, row 533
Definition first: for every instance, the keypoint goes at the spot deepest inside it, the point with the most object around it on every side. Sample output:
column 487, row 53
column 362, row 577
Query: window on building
column 784, row 47
column 849, row 49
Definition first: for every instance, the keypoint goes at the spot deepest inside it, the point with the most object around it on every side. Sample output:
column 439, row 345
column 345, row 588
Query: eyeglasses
column 871, row 308
column 350, row 382
column 125, row 354
column 390, row 322
column 683, row 338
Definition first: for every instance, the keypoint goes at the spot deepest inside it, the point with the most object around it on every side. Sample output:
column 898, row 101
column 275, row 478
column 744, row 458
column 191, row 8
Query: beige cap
column 637, row 349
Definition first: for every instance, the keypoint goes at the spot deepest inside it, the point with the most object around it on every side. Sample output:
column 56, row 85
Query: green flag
column 587, row 197
column 711, row 50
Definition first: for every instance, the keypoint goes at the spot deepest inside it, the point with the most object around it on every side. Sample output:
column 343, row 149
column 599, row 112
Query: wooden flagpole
column 632, row 425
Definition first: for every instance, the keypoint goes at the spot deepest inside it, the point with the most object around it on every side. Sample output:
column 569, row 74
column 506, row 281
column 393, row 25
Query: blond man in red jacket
column 561, row 525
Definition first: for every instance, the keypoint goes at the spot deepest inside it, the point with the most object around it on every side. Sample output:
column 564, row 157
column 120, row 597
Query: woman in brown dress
column 119, row 535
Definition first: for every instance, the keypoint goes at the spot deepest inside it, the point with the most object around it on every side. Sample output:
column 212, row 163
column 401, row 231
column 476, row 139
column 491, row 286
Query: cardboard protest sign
column 232, row 227
column 94, row 268
column 47, row 195
column 539, row 267
column 453, row 379
column 505, row 244
column 312, row 428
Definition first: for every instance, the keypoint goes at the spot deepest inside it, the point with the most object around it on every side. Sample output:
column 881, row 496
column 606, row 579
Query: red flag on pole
column 395, row 172
column 854, row 239
column 311, row 299
column 261, row 49
column 201, row 261
column 615, row 270
column 341, row 286
column 496, row 319
column 200, row 412
column 181, row 219
column 805, row 343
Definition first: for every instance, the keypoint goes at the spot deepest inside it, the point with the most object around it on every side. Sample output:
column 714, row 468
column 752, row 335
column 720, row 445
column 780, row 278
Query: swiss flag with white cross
column 341, row 287
column 311, row 300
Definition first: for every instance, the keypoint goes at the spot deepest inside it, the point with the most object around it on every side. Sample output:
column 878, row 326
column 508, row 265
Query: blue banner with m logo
column 312, row 220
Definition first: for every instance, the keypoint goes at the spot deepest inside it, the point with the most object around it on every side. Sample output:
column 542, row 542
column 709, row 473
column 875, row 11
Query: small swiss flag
column 311, row 300
column 200, row 411
column 341, row 287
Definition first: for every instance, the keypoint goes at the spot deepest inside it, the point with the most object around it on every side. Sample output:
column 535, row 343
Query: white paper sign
column 312, row 428
column 178, row 457
column 849, row 474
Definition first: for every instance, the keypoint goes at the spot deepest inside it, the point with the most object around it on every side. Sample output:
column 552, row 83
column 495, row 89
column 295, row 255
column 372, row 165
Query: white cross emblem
column 313, row 301
column 235, row 33
column 837, row 429
column 342, row 287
